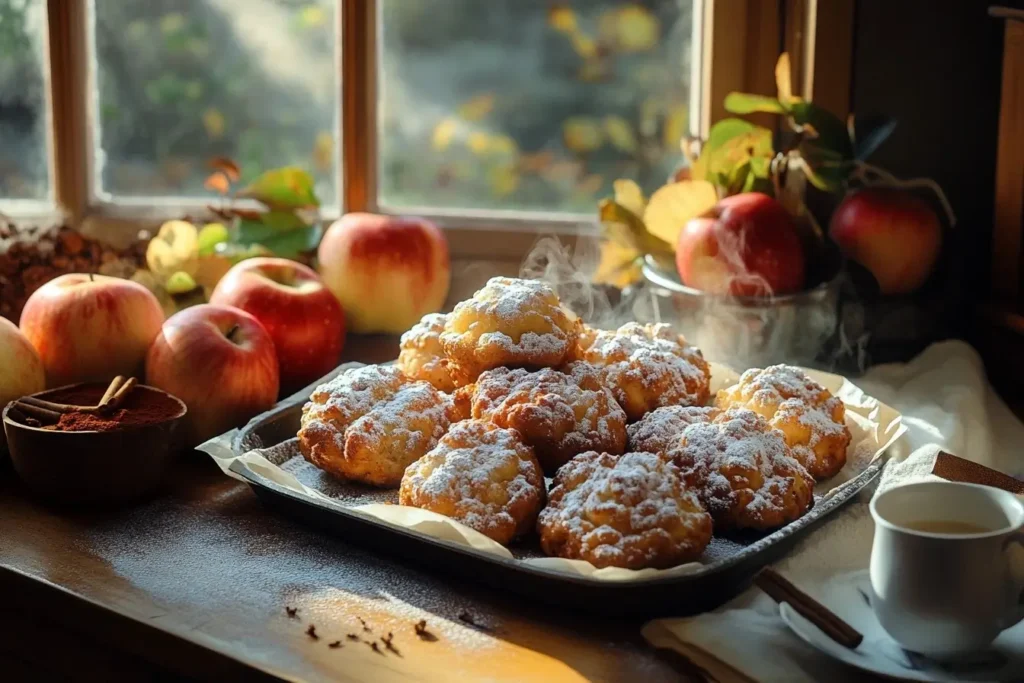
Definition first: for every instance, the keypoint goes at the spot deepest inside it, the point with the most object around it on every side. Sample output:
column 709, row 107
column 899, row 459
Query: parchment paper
column 873, row 425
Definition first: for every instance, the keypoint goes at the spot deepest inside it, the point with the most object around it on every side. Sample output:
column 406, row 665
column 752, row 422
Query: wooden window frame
column 738, row 41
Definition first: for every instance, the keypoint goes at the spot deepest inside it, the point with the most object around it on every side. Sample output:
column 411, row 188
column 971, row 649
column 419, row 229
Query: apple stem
column 91, row 279
column 231, row 333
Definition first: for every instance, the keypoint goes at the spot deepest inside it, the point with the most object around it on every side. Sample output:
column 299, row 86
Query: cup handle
column 1016, row 611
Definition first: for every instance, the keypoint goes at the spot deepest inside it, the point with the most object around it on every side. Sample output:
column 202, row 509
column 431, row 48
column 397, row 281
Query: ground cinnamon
column 141, row 407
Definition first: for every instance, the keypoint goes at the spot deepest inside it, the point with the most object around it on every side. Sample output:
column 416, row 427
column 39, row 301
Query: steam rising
column 742, row 332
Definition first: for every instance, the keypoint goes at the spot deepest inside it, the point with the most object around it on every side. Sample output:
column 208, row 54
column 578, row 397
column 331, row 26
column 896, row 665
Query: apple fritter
column 647, row 366
column 482, row 475
column 661, row 431
column 752, row 481
column 631, row 511
column 370, row 423
column 512, row 323
column 812, row 420
column 559, row 414
column 421, row 356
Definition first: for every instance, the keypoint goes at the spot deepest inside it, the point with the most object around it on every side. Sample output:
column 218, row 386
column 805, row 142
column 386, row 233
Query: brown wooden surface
column 194, row 583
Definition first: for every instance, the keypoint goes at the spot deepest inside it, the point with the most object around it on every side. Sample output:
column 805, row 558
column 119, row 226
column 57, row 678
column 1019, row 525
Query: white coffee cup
column 947, row 594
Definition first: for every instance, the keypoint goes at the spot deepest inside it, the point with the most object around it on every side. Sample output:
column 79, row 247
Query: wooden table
column 195, row 583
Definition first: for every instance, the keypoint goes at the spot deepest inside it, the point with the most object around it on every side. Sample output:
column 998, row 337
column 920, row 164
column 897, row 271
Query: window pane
column 530, row 104
column 182, row 81
column 23, row 120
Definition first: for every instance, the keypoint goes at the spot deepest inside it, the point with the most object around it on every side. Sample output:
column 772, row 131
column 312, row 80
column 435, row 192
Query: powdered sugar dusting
column 752, row 480
column 481, row 475
column 628, row 511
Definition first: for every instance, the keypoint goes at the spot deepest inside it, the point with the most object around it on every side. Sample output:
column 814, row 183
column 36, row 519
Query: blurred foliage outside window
column 496, row 104
column 530, row 104
column 23, row 154
column 182, row 81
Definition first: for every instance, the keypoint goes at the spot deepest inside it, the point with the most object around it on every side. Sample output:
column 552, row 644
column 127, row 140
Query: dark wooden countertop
column 194, row 584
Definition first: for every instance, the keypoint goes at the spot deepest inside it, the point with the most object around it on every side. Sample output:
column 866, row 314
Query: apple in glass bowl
column 221, row 362
column 747, row 245
column 302, row 316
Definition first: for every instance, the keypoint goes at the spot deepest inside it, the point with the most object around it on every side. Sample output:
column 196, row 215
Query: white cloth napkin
column 946, row 404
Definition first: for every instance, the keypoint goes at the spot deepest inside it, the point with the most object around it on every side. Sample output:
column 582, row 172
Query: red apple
column 91, row 327
column 218, row 360
column 302, row 316
column 892, row 233
column 387, row 271
column 747, row 245
column 21, row 370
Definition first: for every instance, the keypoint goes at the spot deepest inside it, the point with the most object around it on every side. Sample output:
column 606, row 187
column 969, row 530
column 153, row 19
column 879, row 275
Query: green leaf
column 827, row 176
column 283, row 188
column 745, row 103
column 292, row 243
column 830, row 132
column 868, row 133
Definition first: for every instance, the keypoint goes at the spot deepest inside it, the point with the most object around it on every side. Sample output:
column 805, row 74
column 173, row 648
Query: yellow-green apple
column 387, row 271
column 91, row 327
column 302, row 316
column 220, row 361
column 747, row 245
column 894, row 234
column 21, row 370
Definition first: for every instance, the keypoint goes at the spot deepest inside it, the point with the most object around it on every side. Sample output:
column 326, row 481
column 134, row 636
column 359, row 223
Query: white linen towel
column 947, row 404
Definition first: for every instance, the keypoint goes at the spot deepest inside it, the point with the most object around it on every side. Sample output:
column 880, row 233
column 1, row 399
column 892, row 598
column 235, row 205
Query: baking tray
column 728, row 563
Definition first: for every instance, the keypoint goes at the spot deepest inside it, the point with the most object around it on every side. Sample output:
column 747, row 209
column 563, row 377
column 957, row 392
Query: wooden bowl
column 92, row 467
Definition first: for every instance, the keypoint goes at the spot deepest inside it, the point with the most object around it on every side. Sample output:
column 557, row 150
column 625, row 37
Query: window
column 181, row 81
column 515, row 114
column 23, row 112
column 530, row 105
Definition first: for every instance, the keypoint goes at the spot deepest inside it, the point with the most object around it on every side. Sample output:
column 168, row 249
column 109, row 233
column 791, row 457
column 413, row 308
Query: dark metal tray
column 728, row 563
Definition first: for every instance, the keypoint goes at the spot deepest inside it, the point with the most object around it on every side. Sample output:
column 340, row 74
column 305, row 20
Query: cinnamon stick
column 115, row 384
column 55, row 407
column 781, row 590
column 118, row 397
column 44, row 415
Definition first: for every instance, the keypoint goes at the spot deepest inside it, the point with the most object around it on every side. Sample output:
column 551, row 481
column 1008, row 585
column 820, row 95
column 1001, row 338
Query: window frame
column 739, row 41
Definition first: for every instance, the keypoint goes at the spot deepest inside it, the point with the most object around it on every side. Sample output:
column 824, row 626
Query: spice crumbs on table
column 311, row 632
column 292, row 612
column 373, row 646
column 467, row 617
column 366, row 628
column 388, row 644
column 335, row 645
column 420, row 627
column 352, row 636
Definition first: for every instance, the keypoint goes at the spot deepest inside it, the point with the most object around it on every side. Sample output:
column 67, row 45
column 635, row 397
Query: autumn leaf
column 626, row 228
column 582, row 134
column 584, row 45
column 504, row 180
column 629, row 196
column 477, row 107
column 180, row 282
column 619, row 266
column 283, row 188
column 631, row 28
column 674, row 204
column 478, row 143
column 444, row 133
column 502, row 144
column 226, row 166
column 783, row 80
column 217, row 182
column 214, row 123
column 620, row 133
column 323, row 151
column 676, row 123
column 562, row 19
